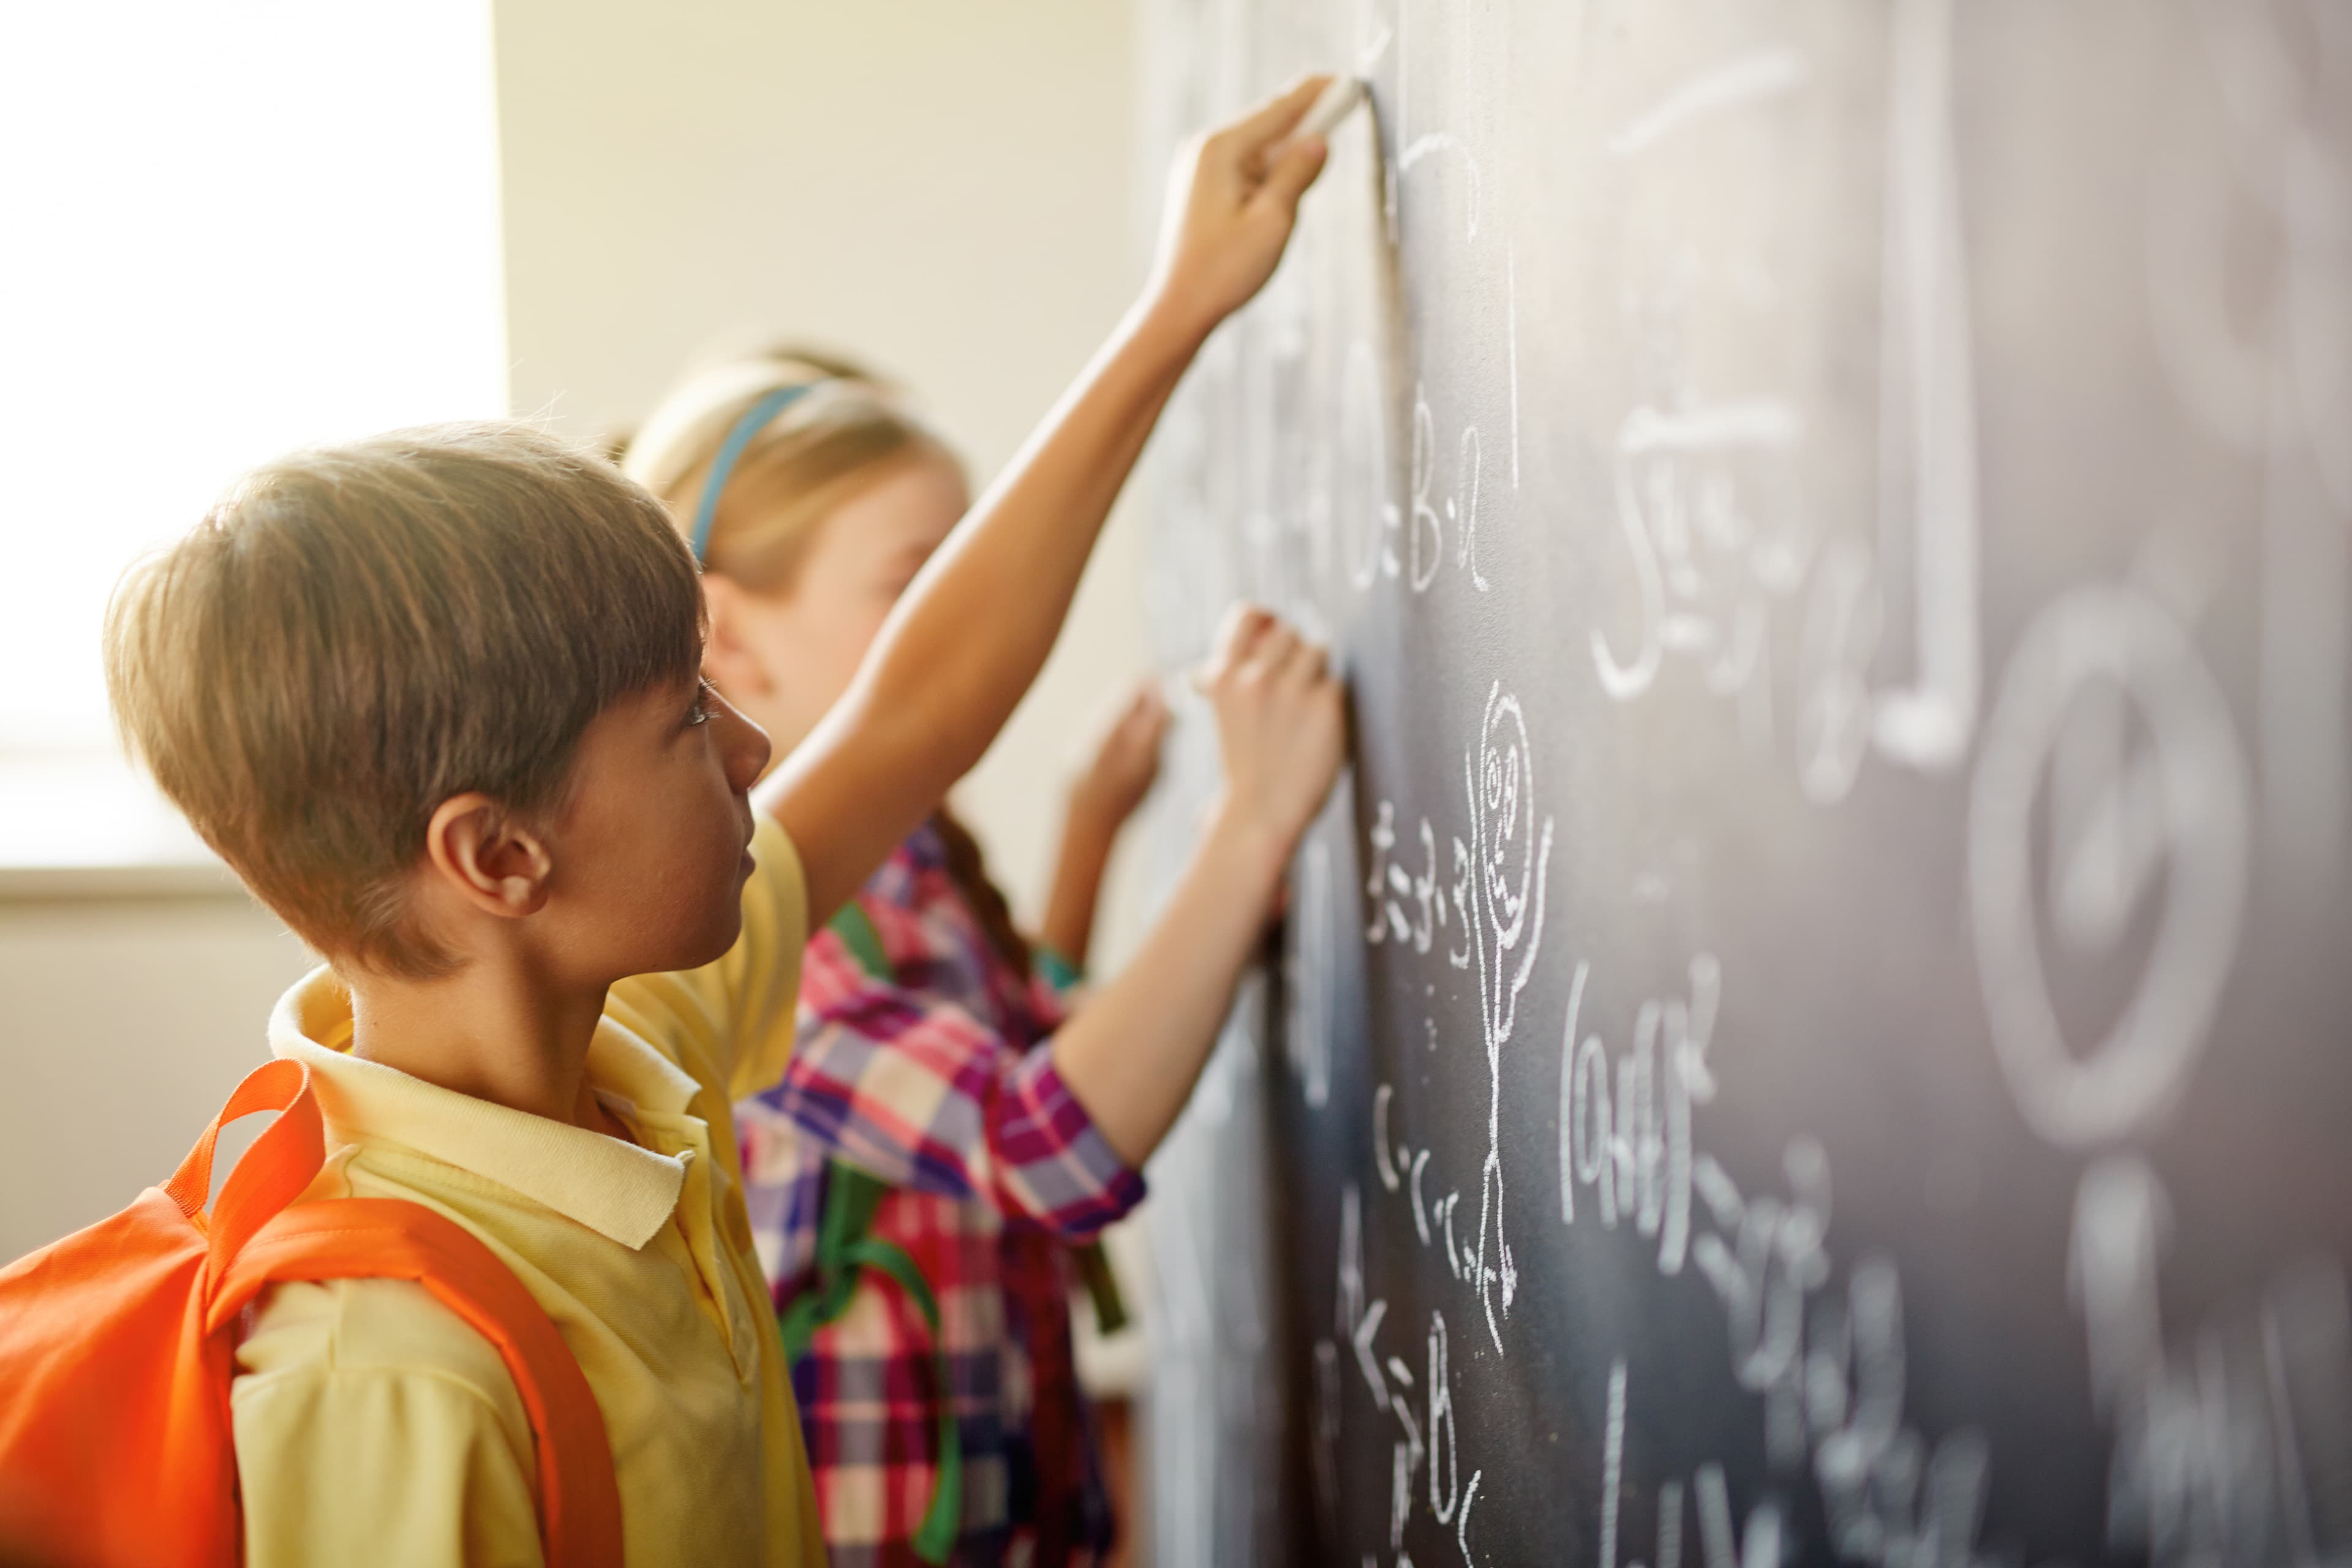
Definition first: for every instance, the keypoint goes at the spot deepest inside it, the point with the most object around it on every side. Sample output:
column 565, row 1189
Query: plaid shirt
column 938, row 1083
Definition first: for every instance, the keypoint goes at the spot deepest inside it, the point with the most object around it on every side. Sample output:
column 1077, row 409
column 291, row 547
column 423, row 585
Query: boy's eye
column 705, row 706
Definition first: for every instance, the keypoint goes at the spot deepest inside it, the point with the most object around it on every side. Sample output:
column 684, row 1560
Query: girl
column 923, row 1109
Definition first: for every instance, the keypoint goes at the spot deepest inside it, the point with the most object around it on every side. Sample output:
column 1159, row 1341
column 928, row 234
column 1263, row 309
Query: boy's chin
column 711, row 947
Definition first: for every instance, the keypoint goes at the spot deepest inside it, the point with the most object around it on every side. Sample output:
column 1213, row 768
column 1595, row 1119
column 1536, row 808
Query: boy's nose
column 744, row 745
column 749, row 749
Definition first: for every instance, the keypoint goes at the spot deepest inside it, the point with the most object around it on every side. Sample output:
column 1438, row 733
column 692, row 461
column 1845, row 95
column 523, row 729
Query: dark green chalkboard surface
column 1818, row 1025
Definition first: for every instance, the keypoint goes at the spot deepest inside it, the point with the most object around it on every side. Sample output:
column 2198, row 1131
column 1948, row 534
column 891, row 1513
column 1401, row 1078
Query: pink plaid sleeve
column 924, row 1096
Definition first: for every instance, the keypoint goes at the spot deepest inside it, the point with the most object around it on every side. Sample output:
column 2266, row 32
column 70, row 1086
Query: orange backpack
column 116, row 1347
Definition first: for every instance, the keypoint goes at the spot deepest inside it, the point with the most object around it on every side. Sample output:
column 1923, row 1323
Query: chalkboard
column 1818, row 1025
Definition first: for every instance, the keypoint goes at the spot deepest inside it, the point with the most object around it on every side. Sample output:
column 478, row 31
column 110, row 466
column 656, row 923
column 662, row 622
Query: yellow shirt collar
column 618, row 1190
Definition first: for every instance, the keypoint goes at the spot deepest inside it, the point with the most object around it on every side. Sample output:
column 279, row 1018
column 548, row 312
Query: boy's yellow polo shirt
column 374, row 1427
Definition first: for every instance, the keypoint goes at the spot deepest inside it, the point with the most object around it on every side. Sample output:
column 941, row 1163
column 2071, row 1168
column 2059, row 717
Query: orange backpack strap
column 117, row 1351
column 284, row 1155
column 388, row 1238
column 258, row 1236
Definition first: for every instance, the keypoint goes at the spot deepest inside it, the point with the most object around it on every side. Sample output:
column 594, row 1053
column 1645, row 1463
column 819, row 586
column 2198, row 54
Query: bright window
column 232, row 228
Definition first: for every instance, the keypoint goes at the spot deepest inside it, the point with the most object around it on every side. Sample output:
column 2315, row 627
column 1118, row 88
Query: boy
column 436, row 697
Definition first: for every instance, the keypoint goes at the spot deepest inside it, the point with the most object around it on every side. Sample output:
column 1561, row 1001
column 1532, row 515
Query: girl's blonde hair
column 851, row 430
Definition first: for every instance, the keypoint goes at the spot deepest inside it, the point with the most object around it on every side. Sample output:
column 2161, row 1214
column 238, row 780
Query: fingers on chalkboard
column 1269, row 657
column 1244, row 625
column 1303, row 661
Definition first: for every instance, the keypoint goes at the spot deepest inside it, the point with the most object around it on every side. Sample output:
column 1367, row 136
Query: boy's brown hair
column 356, row 633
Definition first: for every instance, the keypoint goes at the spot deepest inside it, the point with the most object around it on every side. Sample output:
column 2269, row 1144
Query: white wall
column 124, row 1023
column 941, row 187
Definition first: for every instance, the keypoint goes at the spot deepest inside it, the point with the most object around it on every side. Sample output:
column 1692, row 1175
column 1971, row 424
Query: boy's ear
column 481, row 853
column 726, row 656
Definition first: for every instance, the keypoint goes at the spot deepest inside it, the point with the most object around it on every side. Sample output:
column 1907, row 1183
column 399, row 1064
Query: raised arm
column 973, row 631
column 918, row 1091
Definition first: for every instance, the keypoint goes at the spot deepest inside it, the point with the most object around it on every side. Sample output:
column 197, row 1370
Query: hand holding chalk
column 1335, row 104
column 1231, row 202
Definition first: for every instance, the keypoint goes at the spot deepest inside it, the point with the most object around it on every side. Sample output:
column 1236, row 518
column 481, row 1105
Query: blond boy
column 436, row 695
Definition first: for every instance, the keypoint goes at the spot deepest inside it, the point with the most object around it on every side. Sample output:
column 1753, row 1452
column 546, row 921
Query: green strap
column 864, row 944
column 846, row 1248
column 843, row 1250
column 1102, row 1288
column 1060, row 973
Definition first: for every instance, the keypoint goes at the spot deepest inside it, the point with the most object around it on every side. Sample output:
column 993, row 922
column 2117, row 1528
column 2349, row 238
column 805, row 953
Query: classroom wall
column 943, row 188
column 128, row 1019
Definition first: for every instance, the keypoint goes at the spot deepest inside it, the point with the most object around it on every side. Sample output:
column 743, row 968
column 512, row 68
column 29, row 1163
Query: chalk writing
column 1927, row 392
column 2230, row 1449
column 2115, row 813
column 1752, row 79
column 1634, row 1154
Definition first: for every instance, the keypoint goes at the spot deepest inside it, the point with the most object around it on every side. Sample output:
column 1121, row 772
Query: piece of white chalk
column 1330, row 106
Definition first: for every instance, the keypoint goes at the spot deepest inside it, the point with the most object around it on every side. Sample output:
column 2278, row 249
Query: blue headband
column 754, row 420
